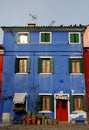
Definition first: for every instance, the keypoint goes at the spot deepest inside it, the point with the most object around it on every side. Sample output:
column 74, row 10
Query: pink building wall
column 86, row 37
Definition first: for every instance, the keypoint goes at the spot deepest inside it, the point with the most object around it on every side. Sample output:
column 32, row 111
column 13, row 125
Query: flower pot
column 28, row 120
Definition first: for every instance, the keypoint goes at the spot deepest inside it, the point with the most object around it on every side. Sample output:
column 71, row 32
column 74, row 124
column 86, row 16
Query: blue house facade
column 43, row 72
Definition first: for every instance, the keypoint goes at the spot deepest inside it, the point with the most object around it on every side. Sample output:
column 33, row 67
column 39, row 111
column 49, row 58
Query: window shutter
column 28, row 38
column 47, row 37
column 16, row 65
column 71, row 103
column 76, row 38
column 52, row 103
column 28, row 65
column 70, row 65
column 42, row 37
column 81, row 65
column 39, row 65
column 40, row 102
column 17, row 38
column 71, row 38
column 52, row 65
column 85, row 103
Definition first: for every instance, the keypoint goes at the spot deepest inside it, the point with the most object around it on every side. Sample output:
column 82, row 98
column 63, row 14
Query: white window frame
column 74, row 42
column 22, row 33
column 47, row 57
column 45, row 42
column 78, row 94
column 19, row 57
column 76, row 58
column 45, row 94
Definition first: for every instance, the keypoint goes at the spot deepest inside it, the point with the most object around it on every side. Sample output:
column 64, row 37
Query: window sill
column 79, row 111
column 45, row 111
column 22, row 43
column 45, row 73
column 22, row 73
column 76, row 73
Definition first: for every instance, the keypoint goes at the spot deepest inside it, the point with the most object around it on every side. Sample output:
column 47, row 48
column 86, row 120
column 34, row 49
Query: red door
column 62, row 110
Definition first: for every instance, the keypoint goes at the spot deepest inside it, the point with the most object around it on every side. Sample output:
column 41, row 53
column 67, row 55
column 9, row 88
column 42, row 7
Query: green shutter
column 16, row 65
column 71, row 38
column 52, row 65
column 71, row 103
column 76, row 38
column 39, row 65
column 70, row 65
column 28, row 65
column 52, row 103
column 81, row 65
column 47, row 37
column 42, row 37
column 85, row 103
column 28, row 38
column 40, row 103
column 17, row 38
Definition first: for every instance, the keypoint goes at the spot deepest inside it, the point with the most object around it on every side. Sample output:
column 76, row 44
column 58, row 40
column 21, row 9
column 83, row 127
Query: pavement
column 59, row 126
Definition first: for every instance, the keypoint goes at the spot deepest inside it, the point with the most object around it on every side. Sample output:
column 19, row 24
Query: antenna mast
column 34, row 17
column 52, row 23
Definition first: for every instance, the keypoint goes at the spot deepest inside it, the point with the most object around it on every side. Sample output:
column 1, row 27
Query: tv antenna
column 52, row 23
column 34, row 17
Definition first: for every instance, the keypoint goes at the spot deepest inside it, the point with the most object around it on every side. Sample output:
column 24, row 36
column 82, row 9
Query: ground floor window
column 78, row 103
column 46, row 102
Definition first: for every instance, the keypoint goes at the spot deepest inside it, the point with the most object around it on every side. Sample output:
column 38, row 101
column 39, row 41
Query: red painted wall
column 86, row 64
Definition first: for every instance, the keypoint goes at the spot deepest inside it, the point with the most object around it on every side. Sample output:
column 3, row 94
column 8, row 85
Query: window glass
column 78, row 103
column 76, row 65
column 45, row 65
column 74, row 38
column 22, row 65
column 46, row 102
column 22, row 38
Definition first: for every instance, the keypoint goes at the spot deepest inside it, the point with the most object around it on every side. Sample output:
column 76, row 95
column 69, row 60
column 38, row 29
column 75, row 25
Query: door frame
column 55, row 99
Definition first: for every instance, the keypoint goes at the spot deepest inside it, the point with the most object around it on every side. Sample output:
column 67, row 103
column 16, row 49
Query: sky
column 65, row 12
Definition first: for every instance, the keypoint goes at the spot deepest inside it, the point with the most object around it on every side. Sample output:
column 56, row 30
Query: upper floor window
column 74, row 37
column 22, row 38
column 45, row 37
column 22, row 65
column 45, row 65
column 76, row 65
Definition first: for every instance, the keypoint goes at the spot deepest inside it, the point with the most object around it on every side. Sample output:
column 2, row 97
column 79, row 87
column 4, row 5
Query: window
column 78, row 103
column 76, row 65
column 45, row 37
column 22, row 65
column 22, row 38
column 46, row 102
column 45, row 65
column 74, row 37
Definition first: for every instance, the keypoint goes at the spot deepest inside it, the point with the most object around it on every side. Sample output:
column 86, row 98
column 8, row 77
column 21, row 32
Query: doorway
column 62, row 110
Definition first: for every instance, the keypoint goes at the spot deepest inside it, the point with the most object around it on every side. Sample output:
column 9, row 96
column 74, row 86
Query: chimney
column 31, row 24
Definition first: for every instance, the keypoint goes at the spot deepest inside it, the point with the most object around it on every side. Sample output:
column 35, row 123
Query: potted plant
column 33, row 117
column 28, row 118
column 39, row 119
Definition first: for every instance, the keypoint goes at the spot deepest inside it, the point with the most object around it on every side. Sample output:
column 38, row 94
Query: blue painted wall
column 60, row 80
